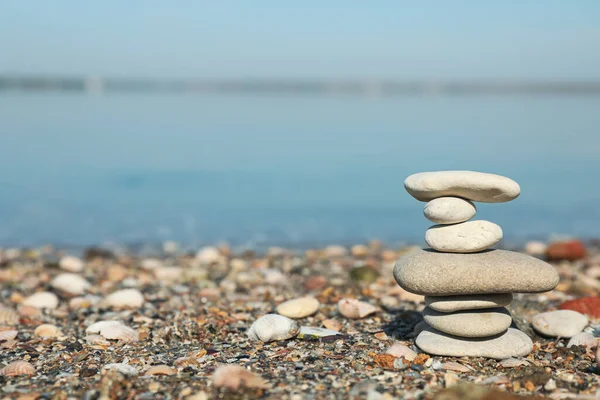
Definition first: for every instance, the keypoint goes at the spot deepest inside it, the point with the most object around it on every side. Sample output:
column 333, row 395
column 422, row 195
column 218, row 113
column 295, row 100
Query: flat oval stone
column 467, row 302
column 560, row 323
column 469, row 323
column 432, row 273
column 512, row 343
column 471, row 185
column 449, row 210
column 466, row 237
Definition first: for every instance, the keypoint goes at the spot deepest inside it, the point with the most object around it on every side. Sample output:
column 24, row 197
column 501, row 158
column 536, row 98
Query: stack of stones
column 466, row 284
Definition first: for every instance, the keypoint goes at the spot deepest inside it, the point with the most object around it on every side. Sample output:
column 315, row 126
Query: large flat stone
column 432, row 273
column 466, row 237
column 512, row 343
column 469, row 323
column 471, row 185
column 468, row 302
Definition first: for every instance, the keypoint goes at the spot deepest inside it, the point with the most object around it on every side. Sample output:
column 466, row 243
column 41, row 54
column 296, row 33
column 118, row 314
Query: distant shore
column 368, row 88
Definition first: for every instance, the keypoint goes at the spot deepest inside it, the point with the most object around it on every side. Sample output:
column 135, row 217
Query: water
column 253, row 170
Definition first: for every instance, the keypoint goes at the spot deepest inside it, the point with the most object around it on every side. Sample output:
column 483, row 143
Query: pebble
column 299, row 308
column 468, row 302
column 71, row 264
column 560, row 323
column 47, row 331
column 535, row 248
column 42, row 300
column 589, row 306
column 355, row 309
column 513, row 363
column 70, row 283
column 234, row 377
column 585, row 339
column 498, row 271
column 466, row 237
column 449, row 210
column 272, row 327
column 512, row 343
column 469, row 323
column 570, row 250
column 124, row 298
column 208, row 255
column 471, row 185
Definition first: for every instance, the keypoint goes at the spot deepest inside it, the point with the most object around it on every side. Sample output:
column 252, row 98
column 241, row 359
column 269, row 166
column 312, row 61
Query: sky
column 511, row 39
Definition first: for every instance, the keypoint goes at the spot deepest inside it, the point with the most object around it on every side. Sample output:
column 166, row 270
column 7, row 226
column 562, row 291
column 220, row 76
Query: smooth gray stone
column 468, row 302
column 512, row 343
column 449, row 210
column 559, row 323
column 471, row 185
column 469, row 323
column 431, row 273
column 466, row 237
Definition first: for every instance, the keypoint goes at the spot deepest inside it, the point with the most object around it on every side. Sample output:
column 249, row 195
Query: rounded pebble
column 42, row 300
column 560, row 323
column 466, row 237
column 298, row 308
column 449, row 210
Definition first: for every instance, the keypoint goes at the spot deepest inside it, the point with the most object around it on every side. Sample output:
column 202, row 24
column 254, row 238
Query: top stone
column 475, row 186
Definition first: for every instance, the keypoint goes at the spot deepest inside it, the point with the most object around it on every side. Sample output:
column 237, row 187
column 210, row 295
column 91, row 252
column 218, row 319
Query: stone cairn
column 465, row 283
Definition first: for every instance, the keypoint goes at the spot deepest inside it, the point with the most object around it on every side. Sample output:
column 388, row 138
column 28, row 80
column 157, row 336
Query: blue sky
column 541, row 39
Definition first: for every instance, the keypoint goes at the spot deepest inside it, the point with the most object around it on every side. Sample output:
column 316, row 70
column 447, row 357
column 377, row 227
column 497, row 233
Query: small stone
column 467, row 302
column 71, row 264
column 355, row 309
column 471, row 185
column 512, row 343
column 209, row 255
column 570, row 250
column 42, row 300
column 466, row 237
column 589, row 306
column 234, row 377
column 433, row 273
column 455, row 366
column 401, row 363
column 364, row 273
column 70, row 283
column 272, row 327
column 299, row 308
column 469, row 323
column 449, row 210
column 359, row 251
column 47, row 331
column 124, row 298
column 513, row 363
column 309, row 333
column 535, row 248
column 550, row 385
column 335, row 251
column 560, row 323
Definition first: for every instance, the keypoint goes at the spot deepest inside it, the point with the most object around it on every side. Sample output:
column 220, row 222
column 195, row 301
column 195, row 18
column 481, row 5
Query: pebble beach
column 191, row 325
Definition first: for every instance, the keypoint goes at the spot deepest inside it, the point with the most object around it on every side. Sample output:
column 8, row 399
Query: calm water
column 79, row 169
